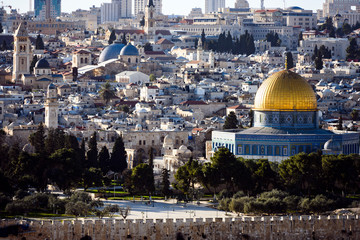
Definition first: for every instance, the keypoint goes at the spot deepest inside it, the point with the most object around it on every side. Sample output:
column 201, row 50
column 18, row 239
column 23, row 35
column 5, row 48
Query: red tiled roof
column 162, row 32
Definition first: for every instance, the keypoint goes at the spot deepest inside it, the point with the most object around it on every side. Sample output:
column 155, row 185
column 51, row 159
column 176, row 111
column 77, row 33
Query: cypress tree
column 118, row 158
column 124, row 41
column 289, row 60
column 92, row 154
column 112, row 37
column 231, row 121
column 33, row 63
column 104, row 160
column 39, row 43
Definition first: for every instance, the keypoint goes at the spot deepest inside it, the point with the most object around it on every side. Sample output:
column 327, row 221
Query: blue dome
column 42, row 63
column 111, row 52
column 129, row 50
column 295, row 8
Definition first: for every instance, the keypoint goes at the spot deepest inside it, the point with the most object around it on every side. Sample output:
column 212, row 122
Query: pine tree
column 228, row 42
column 319, row 62
column 231, row 121
column 352, row 50
column 112, row 37
column 203, row 39
column 315, row 53
column 289, row 60
column 165, row 182
column 104, row 160
column 124, row 41
column 92, row 154
column 33, row 63
column 39, row 43
column 118, row 158
column 4, row 46
column 300, row 38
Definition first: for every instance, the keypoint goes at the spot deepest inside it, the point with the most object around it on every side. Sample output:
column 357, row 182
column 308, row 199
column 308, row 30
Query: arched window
column 81, row 60
column 129, row 60
column 86, row 60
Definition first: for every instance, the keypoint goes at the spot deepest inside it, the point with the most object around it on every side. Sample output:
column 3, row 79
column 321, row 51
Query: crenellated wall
column 287, row 227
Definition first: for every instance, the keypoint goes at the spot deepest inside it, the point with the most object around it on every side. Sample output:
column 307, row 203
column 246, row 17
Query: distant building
column 139, row 6
column 213, row 5
column 336, row 45
column 112, row 12
column 45, row 9
column 332, row 7
column 241, row 4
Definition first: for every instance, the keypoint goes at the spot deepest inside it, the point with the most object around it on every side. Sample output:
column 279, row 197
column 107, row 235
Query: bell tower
column 51, row 107
column 150, row 20
column 22, row 53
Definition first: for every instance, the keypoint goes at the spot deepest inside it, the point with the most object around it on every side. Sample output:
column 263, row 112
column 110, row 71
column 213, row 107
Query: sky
column 181, row 7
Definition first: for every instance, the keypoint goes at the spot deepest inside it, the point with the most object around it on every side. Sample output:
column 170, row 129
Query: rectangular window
column 240, row 149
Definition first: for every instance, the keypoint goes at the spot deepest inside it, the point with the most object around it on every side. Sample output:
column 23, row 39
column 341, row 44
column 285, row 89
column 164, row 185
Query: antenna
column 262, row 4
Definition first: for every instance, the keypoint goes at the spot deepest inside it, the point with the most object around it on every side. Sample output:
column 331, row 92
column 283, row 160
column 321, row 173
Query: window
column 240, row 149
column 139, row 142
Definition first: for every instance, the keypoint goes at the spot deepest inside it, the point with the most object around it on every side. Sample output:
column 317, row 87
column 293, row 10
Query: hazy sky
column 178, row 7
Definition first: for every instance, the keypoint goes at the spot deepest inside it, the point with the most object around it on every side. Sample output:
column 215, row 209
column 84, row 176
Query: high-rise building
column 213, row 5
column 112, row 12
column 45, row 9
column 139, row 6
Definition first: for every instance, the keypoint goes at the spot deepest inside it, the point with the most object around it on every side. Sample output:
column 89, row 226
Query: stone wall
column 287, row 227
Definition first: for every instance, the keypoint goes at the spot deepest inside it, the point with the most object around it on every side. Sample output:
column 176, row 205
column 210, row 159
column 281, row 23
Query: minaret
column 22, row 53
column 51, row 107
column 200, row 50
column 150, row 20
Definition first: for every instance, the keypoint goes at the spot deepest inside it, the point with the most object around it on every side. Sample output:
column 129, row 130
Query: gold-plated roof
column 285, row 91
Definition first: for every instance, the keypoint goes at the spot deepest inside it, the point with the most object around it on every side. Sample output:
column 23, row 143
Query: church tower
column 150, row 20
column 22, row 53
column 51, row 107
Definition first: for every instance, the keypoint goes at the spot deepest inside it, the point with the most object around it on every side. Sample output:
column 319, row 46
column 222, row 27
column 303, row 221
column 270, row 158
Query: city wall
column 287, row 227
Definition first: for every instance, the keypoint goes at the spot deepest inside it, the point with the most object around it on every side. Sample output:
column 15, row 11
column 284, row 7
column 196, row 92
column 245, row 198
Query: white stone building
column 336, row 45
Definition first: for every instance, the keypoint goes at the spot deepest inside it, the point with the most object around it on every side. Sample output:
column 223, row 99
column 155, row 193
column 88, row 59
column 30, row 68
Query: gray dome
column 129, row 50
column 295, row 8
column 111, row 52
column 42, row 63
column 333, row 145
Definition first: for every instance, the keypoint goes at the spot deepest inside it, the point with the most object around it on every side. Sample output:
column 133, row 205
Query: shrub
column 37, row 201
column 224, row 204
column 292, row 202
column 224, row 194
column 237, row 204
column 80, row 196
column 275, row 193
column 4, row 200
column 239, row 194
column 17, row 207
column 321, row 204
column 78, row 209
column 273, row 205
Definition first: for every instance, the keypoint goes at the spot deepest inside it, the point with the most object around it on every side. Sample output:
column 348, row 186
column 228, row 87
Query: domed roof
column 111, row 52
column 183, row 148
column 295, row 8
column 333, row 145
column 285, row 91
column 129, row 50
column 42, row 63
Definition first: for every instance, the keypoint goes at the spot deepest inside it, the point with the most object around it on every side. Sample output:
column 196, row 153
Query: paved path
column 168, row 209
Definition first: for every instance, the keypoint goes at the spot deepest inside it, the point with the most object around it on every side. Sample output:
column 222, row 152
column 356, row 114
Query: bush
column 37, row 201
column 78, row 209
column 17, row 207
column 224, row 194
column 239, row 194
column 4, row 200
column 20, row 194
column 224, row 204
column 57, row 204
column 274, row 194
column 318, row 204
column 273, row 205
column 112, row 209
column 80, row 197
column 292, row 202
column 237, row 204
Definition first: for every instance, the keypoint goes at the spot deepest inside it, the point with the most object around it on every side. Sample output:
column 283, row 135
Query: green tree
column 123, row 40
column 104, row 160
column 231, row 121
column 37, row 138
column 106, row 92
column 203, row 39
column 66, row 169
column 112, row 37
column 1, row 28
column 39, row 45
column 92, row 177
column 142, row 21
column 289, row 64
column 352, row 50
column 142, row 179
column 118, row 158
column 274, row 39
column 165, row 190
column 148, row 47
column 92, row 153
column 319, row 63
column 346, row 28
column 340, row 123
column 354, row 115
column 55, row 140
column 33, row 62
column 152, row 77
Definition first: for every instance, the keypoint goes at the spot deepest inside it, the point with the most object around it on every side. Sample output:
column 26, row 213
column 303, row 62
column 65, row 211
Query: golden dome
column 285, row 91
